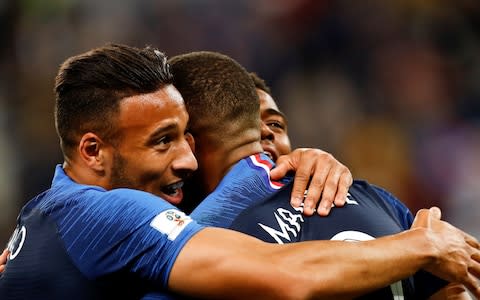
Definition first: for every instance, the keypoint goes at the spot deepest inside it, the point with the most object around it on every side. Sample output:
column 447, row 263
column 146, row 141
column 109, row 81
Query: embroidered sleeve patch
column 171, row 223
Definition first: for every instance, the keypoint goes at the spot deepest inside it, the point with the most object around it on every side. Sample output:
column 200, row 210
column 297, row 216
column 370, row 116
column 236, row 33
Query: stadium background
column 391, row 88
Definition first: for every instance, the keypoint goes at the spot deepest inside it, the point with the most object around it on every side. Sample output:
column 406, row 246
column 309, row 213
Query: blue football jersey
column 247, row 200
column 83, row 242
column 245, row 185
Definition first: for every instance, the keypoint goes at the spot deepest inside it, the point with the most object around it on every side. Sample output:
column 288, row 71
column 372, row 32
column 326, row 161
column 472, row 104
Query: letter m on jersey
column 288, row 223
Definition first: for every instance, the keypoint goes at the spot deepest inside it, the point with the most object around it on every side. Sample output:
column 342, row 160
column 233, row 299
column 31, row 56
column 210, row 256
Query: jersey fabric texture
column 245, row 185
column 83, row 242
column 247, row 200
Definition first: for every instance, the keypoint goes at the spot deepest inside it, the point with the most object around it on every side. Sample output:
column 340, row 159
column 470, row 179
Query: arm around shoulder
column 217, row 261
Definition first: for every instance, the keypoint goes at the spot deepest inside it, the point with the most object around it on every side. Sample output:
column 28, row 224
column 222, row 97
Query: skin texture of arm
column 216, row 262
column 226, row 261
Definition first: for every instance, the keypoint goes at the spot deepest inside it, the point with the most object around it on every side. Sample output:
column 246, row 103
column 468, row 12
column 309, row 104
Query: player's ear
column 93, row 151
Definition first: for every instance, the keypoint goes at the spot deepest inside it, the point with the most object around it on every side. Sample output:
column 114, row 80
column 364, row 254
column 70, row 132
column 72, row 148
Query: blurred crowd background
column 391, row 88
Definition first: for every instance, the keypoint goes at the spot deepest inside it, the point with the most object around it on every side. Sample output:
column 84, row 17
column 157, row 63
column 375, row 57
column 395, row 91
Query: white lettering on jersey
column 288, row 222
column 16, row 242
column 356, row 236
column 171, row 222
column 352, row 236
column 350, row 200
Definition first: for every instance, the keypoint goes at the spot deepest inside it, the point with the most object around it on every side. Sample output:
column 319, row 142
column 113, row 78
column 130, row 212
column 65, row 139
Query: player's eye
column 163, row 140
column 275, row 125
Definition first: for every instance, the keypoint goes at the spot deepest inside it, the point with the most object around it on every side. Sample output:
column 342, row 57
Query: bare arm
column 216, row 262
column 320, row 173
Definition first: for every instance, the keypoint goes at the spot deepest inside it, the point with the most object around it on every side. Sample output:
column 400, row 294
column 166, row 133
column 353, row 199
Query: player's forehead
column 145, row 114
column 268, row 106
column 266, row 101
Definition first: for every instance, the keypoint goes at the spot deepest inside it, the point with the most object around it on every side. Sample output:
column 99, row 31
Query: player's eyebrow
column 274, row 112
column 160, row 132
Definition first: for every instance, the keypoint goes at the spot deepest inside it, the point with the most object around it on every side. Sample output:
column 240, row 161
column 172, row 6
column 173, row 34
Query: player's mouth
column 173, row 192
column 270, row 152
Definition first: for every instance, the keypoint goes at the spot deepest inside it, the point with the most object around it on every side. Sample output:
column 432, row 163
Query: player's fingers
column 336, row 186
column 2, row 268
column 474, row 266
column 455, row 291
column 472, row 241
column 324, row 183
column 344, row 184
column 294, row 161
column 302, row 182
column 476, row 256
column 283, row 166
column 328, row 194
column 435, row 213
column 286, row 163
column 421, row 218
column 471, row 283
column 476, row 292
column 316, row 189
column 303, row 167
column 425, row 217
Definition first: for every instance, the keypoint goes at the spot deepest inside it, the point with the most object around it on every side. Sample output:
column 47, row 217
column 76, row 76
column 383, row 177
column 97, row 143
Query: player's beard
column 119, row 176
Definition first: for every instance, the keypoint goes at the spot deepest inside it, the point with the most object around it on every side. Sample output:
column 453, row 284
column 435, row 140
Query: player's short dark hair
column 260, row 83
column 218, row 93
column 90, row 86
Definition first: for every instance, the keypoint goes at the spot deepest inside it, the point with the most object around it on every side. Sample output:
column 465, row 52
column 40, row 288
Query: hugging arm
column 215, row 262
column 226, row 261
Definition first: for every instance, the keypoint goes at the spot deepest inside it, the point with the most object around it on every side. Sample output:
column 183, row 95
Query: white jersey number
column 357, row 236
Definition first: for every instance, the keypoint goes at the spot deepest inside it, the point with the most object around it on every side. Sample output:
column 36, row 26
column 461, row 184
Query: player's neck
column 81, row 174
column 226, row 156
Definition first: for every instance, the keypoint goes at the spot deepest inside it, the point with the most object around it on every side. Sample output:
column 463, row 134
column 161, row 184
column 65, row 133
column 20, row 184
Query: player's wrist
column 422, row 244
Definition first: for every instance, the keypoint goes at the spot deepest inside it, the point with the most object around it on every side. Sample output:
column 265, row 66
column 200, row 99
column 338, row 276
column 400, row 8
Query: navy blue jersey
column 245, row 185
column 365, row 213
column 84, row 242
column 248, row 201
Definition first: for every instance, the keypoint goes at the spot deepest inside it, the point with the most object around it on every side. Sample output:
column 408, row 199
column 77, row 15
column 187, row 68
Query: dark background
column 391, row 88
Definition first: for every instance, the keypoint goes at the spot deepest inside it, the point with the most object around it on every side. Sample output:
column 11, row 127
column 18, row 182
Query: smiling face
column 275, row 141
column 153, row 152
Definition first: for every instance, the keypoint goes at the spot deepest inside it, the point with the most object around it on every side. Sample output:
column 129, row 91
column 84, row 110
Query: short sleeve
column 123, row 230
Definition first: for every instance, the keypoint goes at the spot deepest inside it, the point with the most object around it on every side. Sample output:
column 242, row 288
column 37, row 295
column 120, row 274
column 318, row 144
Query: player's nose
column 266, row 132
column 185, row 160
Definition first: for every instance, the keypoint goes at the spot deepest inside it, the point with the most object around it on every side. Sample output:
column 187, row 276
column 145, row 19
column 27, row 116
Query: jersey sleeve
column 124, row 230
column 403, row 213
